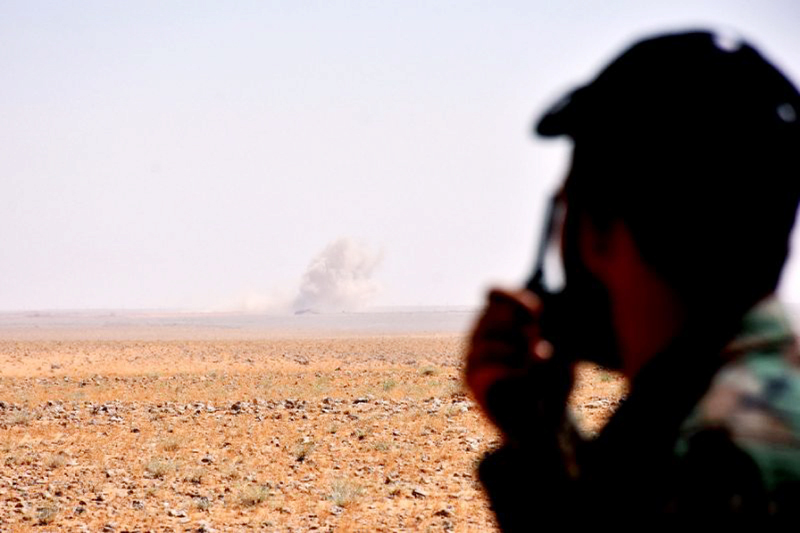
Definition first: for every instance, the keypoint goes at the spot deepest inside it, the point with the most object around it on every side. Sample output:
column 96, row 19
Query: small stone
column 419, row 493
column 203, row 526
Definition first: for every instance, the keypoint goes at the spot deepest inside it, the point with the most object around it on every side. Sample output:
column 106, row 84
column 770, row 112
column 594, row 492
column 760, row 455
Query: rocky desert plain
column 114, row 428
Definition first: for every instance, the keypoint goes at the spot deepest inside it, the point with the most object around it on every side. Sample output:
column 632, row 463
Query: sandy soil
column 347, row 433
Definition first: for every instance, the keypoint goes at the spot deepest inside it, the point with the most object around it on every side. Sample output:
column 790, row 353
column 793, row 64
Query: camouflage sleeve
column 740, row 449
column 715, row 477
column 534, row 470
column 532, row 483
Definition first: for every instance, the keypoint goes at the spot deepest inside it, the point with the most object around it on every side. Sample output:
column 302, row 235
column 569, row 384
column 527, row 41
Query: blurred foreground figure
column 679, row 203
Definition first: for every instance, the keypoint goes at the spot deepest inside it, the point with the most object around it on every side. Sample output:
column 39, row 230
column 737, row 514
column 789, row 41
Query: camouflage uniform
column 698, row 436
column 754, row 403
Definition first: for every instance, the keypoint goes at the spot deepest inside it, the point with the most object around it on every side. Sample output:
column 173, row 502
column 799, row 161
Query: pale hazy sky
column 199, row 155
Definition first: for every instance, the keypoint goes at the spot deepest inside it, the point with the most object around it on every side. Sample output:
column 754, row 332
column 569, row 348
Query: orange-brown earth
column 359, row 433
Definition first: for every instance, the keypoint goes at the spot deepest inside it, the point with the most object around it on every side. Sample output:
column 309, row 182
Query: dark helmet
column 693, row 140
column 677, row 88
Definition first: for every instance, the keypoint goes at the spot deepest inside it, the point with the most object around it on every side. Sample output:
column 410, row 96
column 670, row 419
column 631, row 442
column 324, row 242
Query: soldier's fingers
column 503, row 316
column 510, row 310
column 496, row 352
column 481, row 380
column 517, row 300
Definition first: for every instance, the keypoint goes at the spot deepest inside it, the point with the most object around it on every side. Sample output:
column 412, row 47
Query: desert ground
column 109, row 427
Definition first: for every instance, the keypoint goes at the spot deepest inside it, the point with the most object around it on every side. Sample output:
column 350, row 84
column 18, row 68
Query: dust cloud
column 339, row 278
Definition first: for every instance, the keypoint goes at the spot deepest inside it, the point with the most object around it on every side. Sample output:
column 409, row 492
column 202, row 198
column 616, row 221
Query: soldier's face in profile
column 585, row 298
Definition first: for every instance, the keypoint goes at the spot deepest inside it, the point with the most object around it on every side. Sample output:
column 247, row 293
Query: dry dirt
column 360, row 433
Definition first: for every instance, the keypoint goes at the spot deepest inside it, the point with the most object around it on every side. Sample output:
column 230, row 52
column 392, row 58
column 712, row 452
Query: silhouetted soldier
column 680, row 200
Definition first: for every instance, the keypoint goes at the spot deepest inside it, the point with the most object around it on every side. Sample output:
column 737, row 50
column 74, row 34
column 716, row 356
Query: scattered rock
column 403, row 465
column 419, row 493
column 204, row 526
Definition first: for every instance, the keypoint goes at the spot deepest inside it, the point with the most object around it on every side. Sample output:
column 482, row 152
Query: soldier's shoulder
column 755, row 397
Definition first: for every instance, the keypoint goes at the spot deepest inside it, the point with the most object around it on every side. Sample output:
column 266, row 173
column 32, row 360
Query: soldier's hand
column 507, row 352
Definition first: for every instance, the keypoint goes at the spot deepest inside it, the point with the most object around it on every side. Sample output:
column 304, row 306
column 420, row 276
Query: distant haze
column 211, row 155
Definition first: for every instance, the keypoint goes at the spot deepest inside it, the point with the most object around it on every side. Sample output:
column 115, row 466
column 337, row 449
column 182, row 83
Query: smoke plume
column 339, row 278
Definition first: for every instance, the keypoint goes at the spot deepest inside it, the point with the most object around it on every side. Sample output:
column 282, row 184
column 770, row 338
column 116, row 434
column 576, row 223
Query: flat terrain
column 123, row 431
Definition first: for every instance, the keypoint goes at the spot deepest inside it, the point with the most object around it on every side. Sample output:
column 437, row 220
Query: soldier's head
column 692, row 141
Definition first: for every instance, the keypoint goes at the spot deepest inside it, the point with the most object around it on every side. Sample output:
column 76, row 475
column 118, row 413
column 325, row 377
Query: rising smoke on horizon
column 339, row 278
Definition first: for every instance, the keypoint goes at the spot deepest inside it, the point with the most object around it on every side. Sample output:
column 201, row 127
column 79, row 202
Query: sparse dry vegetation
column 302, row 449
column 428, row 371
column 252, row 495
column 202, row 503
column 20, row 418
column 46, row 515
column 158, row 468
column 55, row 461
column 172, row 444
column 344, row 492
column 307, row 433
column 195, row 476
